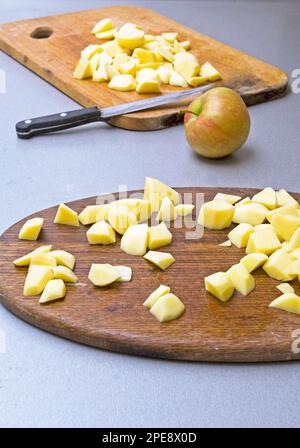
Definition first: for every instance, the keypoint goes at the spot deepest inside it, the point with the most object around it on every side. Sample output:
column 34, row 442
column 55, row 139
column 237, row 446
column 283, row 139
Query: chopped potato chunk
column 219, row 285
column 168, row 307
column 160, row 259
column 31, row 229
column 155, row 295
column 55, row 289
column 65, row 215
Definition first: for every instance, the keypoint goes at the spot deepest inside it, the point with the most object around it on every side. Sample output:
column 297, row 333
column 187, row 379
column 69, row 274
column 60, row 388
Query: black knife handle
column 57, row 122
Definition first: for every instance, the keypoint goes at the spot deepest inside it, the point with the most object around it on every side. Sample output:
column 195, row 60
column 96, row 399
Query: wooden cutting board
column 114, row 318
column 50, row 46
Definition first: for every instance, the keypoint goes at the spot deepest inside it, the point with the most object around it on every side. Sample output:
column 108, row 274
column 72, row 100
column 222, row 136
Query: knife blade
column 64, row 120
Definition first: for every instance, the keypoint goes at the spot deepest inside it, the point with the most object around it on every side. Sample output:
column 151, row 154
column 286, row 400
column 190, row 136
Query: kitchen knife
column 65, row 120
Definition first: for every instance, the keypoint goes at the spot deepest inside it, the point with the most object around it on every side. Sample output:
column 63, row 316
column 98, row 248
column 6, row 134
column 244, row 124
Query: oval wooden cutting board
column 114, row 318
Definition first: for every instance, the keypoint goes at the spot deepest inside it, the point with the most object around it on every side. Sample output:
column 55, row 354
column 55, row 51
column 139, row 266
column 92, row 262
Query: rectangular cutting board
column 244, row 329
column 50, row 46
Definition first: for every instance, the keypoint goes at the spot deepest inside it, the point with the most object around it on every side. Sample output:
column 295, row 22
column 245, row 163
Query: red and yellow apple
column 217, row 123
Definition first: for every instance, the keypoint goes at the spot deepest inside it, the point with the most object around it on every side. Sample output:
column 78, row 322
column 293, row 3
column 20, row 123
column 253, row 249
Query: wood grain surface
column 50, row 46
column 114, row 318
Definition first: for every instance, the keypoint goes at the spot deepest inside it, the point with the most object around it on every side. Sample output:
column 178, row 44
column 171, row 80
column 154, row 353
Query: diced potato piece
column 209, row 71
column 251, row 213
column 123, row 83
column 164, row 74
column 125, row 273
column 284, row 198
column 103, row 274
column 120, row 218
column 159, row 236
column 266, row 197
column 25, row 259
column 64, row 258
column 65, row 274
column 165, row 53
column 106, row 35
column 240, row 234
column 83, row 69
column 148, row 86
column 111, row 71
column 119, row 59
column 216, row 215
column 170, row 37
column 44, row 259
column 101, row 233
column 31, row 229
column 166, row 211
column 130, row 37
column 178, row 47
column 287, row 302
column 294, row 242
column 112, row 48
column 65, row 215
column 36, row 280
column 94, row 62
column 185, row 44
column 90, row 51
column 285, row 288
column 186, row 64
column 285, row 225
column 143, row 55
column 263, row 227
column 184, row 209
column 263, row 241
column 168, row 307
column 226, row 243
column 147, row 74
column 219, row 285
column 177, row 80
column 279, row 266
column 103, row 25
column 241, row 279
column 156, row 190
column 196, row 81
column 128, row 67
column 290, row 209
column 231, row 198
column 160, row 259
column 155, row 295
column 90, row 213
column 100, row 75
column 135, row 240
column 55, row 289
column 105, row 58
column 253, row 261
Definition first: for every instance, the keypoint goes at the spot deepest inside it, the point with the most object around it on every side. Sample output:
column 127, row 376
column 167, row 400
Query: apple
column 217, row 123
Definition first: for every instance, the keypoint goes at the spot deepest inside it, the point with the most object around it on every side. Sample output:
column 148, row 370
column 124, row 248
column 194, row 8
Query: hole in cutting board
column 42, row 32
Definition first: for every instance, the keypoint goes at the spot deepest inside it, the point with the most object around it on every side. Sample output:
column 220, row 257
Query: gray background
column 48, row 381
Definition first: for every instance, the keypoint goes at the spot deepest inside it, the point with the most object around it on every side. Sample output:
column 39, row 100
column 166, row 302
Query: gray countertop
column 48, row 381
